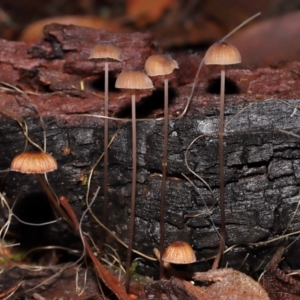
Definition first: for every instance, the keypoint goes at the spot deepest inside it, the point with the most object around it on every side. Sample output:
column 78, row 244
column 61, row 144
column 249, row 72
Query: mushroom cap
column 179, row 252
column 222, row 53
column 106, row 51
column 135, row 79
column 160, row 64
column 33, row 162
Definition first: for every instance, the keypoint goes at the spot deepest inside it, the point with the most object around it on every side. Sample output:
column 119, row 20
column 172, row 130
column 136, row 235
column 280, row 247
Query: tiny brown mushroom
column 162, row 65
column 222, row 53
column 38, row 163
column 106, row 52
column 179, row 252
column 133, row 79
column 33, row 163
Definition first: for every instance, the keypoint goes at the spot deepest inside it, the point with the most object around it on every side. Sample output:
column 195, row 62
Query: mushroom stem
column 221, row 162
column 164, row 174
column 133, row 192
column 53, row 199
column 105, row 179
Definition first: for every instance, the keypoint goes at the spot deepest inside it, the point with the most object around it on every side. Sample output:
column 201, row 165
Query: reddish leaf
column 145, row 11
column 277, row 283
column 265, row 43
column 109, row 280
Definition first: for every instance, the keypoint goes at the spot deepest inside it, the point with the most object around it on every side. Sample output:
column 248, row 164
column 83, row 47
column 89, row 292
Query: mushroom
column 105, row 52
column 38, row 163
column 179, row 252
column 222, row 53
column 162, row 65
column 133, row 79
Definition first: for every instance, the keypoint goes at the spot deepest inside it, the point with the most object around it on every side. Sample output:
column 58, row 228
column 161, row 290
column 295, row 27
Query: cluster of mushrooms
column 158, row 65
column 221, row 53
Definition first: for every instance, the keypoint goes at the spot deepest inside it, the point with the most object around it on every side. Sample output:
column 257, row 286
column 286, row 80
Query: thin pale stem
column 164, row 176
column 221, row 162
column 54, row 200
column 240, row 26
column 105, row 179
column 133, row 193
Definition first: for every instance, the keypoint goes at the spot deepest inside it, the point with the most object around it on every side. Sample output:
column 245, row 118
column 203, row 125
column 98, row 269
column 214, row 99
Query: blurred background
column 176, row 24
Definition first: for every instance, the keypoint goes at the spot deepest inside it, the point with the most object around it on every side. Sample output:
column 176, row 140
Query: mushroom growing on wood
column 105, row 52
column 134, row 79
column 33, row 162
column 222, row 53
column 162, row 65
column 179, row 252
column 39, row 163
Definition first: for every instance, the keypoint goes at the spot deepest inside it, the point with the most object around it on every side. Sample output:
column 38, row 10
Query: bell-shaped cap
column 222, row 53
column 179, row 252
column 33, row 162
column 135, row 79
column 160, row 64
column 106, row 51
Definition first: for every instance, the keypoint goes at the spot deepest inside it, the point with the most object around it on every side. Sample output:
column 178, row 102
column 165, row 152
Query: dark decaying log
column 262, row 157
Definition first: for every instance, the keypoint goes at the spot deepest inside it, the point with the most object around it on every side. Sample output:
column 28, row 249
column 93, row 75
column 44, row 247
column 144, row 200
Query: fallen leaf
column 109, row 280
column 271, row 41
column 143, row 12
column 10, row 291
column 278, row 284
column 230, row 284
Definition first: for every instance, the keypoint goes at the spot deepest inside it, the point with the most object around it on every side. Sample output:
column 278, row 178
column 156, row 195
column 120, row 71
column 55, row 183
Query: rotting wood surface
column 262, row 158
